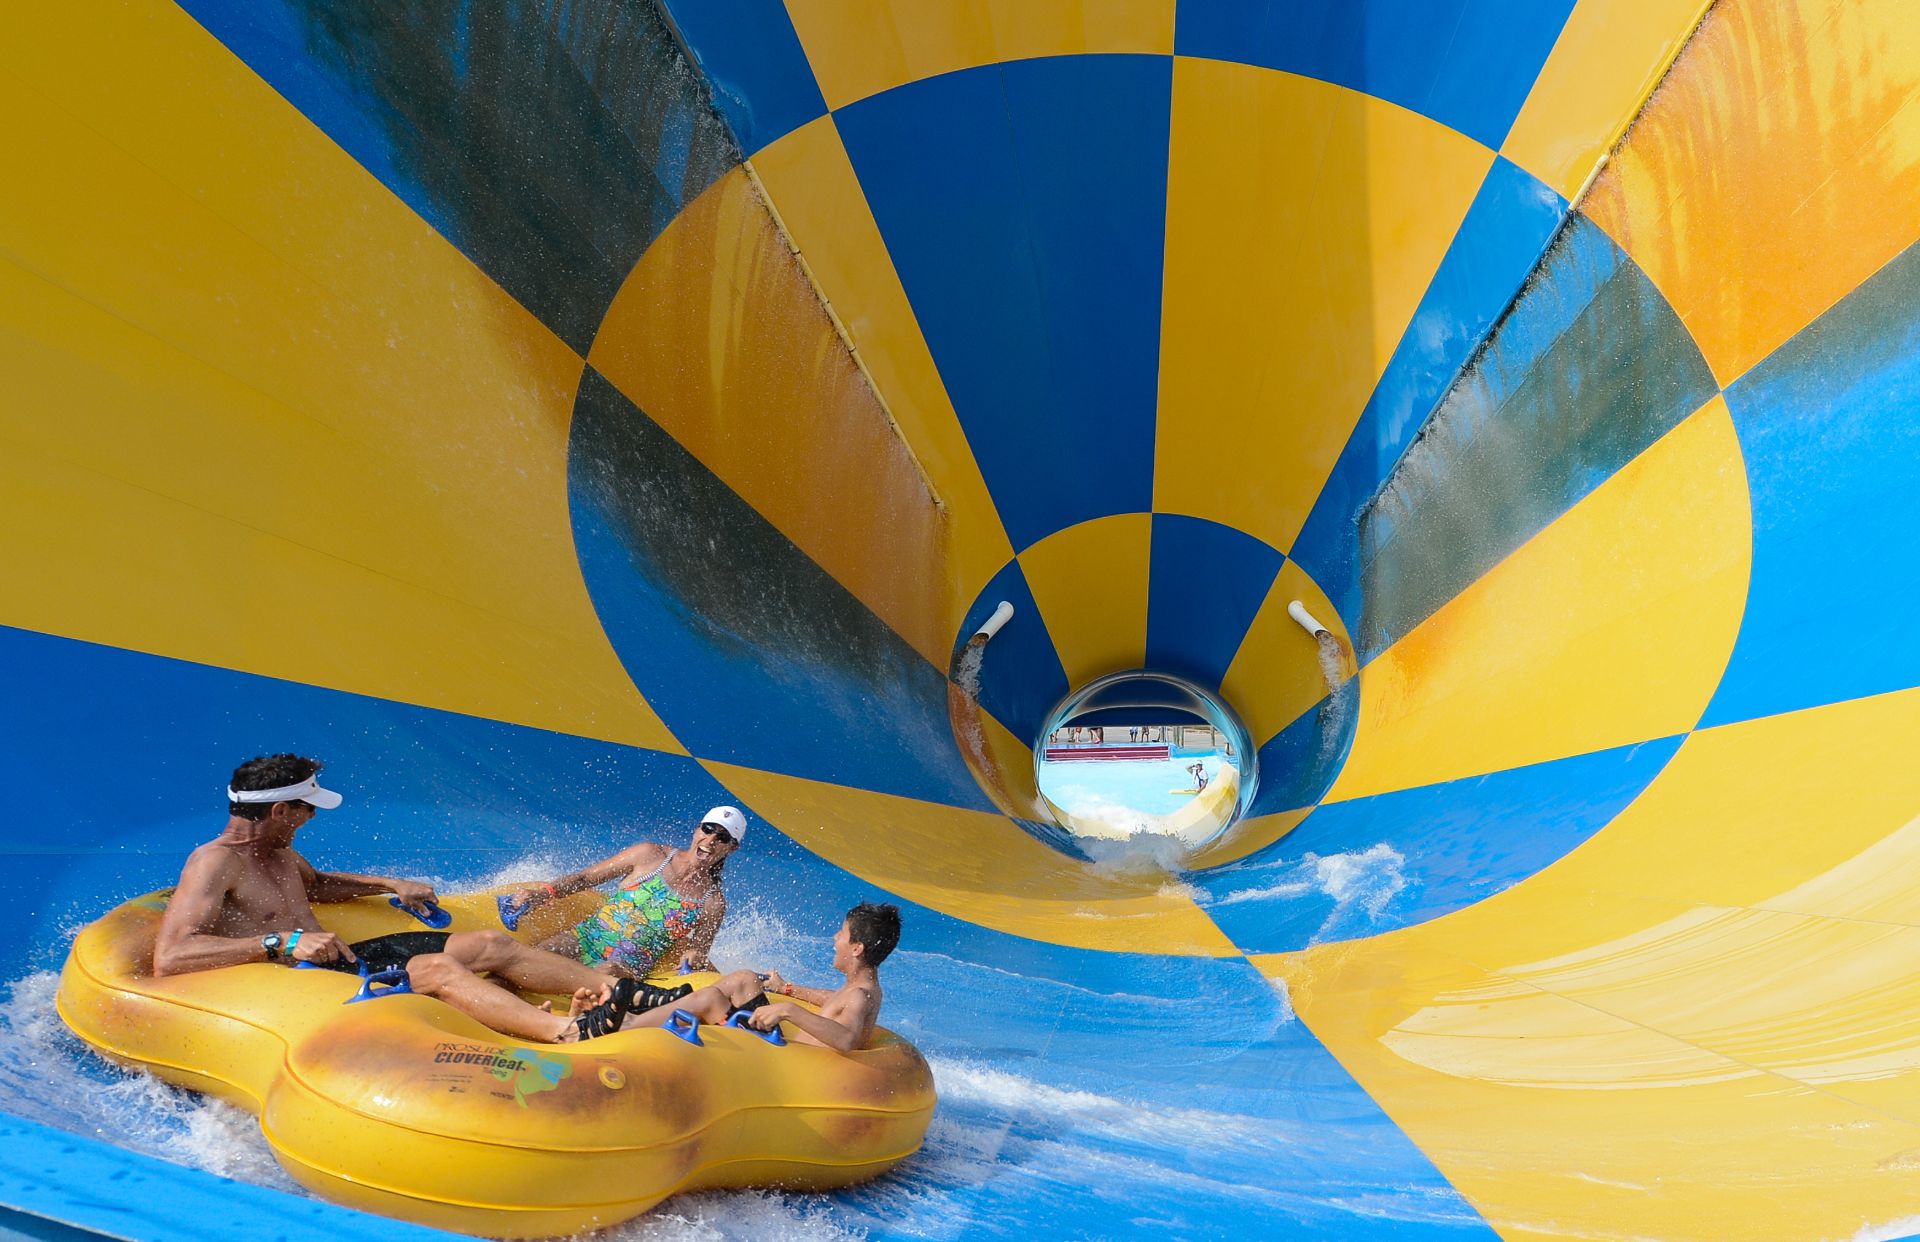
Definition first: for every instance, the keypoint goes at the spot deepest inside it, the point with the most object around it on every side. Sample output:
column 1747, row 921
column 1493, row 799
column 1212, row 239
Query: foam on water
column 1905, row 1227
column 1361, row 884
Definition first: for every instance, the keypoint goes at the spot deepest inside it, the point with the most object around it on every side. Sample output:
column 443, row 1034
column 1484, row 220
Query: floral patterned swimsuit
column 637, row 928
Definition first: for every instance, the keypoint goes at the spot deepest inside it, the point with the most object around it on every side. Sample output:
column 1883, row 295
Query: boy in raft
column 246, row 896
column 847, row 1014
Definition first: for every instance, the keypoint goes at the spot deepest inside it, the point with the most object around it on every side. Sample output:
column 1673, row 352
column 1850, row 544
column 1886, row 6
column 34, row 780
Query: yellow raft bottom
column 405, row 1107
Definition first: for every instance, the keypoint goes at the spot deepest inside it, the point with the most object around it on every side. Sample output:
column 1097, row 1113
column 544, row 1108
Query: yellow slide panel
column 1609, row 56
column 1090, row 582
column 1276, row 675
column 256, row 365
column 1693, row 1050
column 1757, row 201
column 1300, row 239
column 862, row 47
column 978, row 867
column 1612, row 626
column 1003, row 763
column 717, row 328
column 813, row 187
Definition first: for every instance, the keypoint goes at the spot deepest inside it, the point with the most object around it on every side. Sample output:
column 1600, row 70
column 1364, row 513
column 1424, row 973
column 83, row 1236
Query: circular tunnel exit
column 1144, row 762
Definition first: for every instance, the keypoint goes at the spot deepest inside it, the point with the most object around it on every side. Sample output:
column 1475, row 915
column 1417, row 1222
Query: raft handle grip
column 434, row 917
column 382, row 983
column 739, row 1021
column 686, row 1026
column 511, row 911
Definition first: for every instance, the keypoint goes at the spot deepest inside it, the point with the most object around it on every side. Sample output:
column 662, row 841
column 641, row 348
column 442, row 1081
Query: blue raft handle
column 511, row 911
column 739, row 1023
column 686, row 1026
column 384, row 983
column 686, row 967
column 435, row 917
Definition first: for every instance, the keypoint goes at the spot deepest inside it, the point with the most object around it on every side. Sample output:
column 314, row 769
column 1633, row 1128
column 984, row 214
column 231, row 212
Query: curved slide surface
column 564, row 417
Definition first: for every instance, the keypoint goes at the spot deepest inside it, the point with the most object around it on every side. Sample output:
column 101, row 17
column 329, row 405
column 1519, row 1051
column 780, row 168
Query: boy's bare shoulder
column 862, row 999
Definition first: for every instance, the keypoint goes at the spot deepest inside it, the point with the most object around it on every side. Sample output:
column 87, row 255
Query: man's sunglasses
column 720, row 832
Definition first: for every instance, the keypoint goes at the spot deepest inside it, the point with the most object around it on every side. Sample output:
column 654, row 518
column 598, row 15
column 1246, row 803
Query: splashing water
column 966, row 671
column 1333, row 661
column 1361, row 885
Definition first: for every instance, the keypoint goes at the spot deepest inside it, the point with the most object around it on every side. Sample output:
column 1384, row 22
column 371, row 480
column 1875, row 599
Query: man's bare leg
column 446, row 978
column 525, row 967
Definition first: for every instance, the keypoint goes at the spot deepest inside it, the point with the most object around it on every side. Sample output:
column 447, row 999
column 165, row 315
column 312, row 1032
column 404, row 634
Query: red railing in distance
column 1070, row 754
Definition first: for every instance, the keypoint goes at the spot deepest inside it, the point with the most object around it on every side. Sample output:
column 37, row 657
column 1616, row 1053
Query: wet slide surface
column 563, row 418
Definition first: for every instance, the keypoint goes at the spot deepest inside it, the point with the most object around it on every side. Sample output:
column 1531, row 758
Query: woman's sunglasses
column 718, row 831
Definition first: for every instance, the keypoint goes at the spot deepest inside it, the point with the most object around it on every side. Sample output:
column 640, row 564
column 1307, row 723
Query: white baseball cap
column 730, row 818
column 305, row 791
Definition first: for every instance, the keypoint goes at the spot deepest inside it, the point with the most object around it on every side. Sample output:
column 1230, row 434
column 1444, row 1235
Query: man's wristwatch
column 271, row 943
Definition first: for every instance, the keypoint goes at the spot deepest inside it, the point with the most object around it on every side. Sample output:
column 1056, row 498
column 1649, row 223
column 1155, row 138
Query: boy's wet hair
column 875, row 928
column 269, row 772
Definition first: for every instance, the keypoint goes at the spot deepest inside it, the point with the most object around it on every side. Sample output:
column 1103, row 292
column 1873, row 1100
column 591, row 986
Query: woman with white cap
column 663, row 912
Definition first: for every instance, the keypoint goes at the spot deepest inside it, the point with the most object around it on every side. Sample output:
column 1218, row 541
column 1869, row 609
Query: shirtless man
column 847, row 1014
column 247, row 896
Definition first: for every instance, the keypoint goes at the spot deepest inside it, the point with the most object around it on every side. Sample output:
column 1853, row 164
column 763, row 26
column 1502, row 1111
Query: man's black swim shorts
column 391, row 952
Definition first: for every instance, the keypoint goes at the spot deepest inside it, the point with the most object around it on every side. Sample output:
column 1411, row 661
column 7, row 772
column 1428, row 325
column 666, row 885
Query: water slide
column 562, row 417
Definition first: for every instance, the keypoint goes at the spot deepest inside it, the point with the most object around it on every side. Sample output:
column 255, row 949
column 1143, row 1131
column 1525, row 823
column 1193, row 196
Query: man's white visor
column 306, row 791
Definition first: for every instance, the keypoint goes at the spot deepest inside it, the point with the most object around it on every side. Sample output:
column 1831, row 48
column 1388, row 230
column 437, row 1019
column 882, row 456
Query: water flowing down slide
column 562, row 418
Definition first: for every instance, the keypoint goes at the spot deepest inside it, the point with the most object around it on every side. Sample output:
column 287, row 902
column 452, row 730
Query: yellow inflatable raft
column 403, row 1106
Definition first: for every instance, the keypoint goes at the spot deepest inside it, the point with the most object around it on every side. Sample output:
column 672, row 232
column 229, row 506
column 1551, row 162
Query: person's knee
column 481, row 950
column 430, row 973
column 739, row 985
column 709, row 1004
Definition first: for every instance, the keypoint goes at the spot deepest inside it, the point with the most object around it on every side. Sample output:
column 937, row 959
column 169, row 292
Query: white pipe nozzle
column 1298, row 611
column 1001, row 615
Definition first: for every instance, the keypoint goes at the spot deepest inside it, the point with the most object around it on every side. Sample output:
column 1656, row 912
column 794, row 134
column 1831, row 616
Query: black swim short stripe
column 391, row 952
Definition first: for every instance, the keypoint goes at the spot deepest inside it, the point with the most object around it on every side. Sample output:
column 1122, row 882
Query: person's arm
column 712, row 912
column 329, row 886
column 813, row 996
column 185, row 942
column 643, row 854
column 829, row 1027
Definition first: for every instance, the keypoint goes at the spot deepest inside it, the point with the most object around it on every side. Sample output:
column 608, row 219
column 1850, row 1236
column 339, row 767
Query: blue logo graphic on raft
column 529, row 1071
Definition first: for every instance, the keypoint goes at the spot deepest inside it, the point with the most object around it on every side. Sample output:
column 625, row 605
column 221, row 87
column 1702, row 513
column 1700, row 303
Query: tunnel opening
column 1144, row 763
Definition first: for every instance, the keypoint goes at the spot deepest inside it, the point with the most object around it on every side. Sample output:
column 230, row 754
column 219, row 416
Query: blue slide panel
column 1466, row 63
column 1024, row 206
column 1205, row 583
column 550, row 147
column 1021, row 677
column 1832, row 446
column 751, row 57
column 1393, row 860
column 755, row 654
column 42, row 1171
column 1505, row 231
column 1298, row 764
